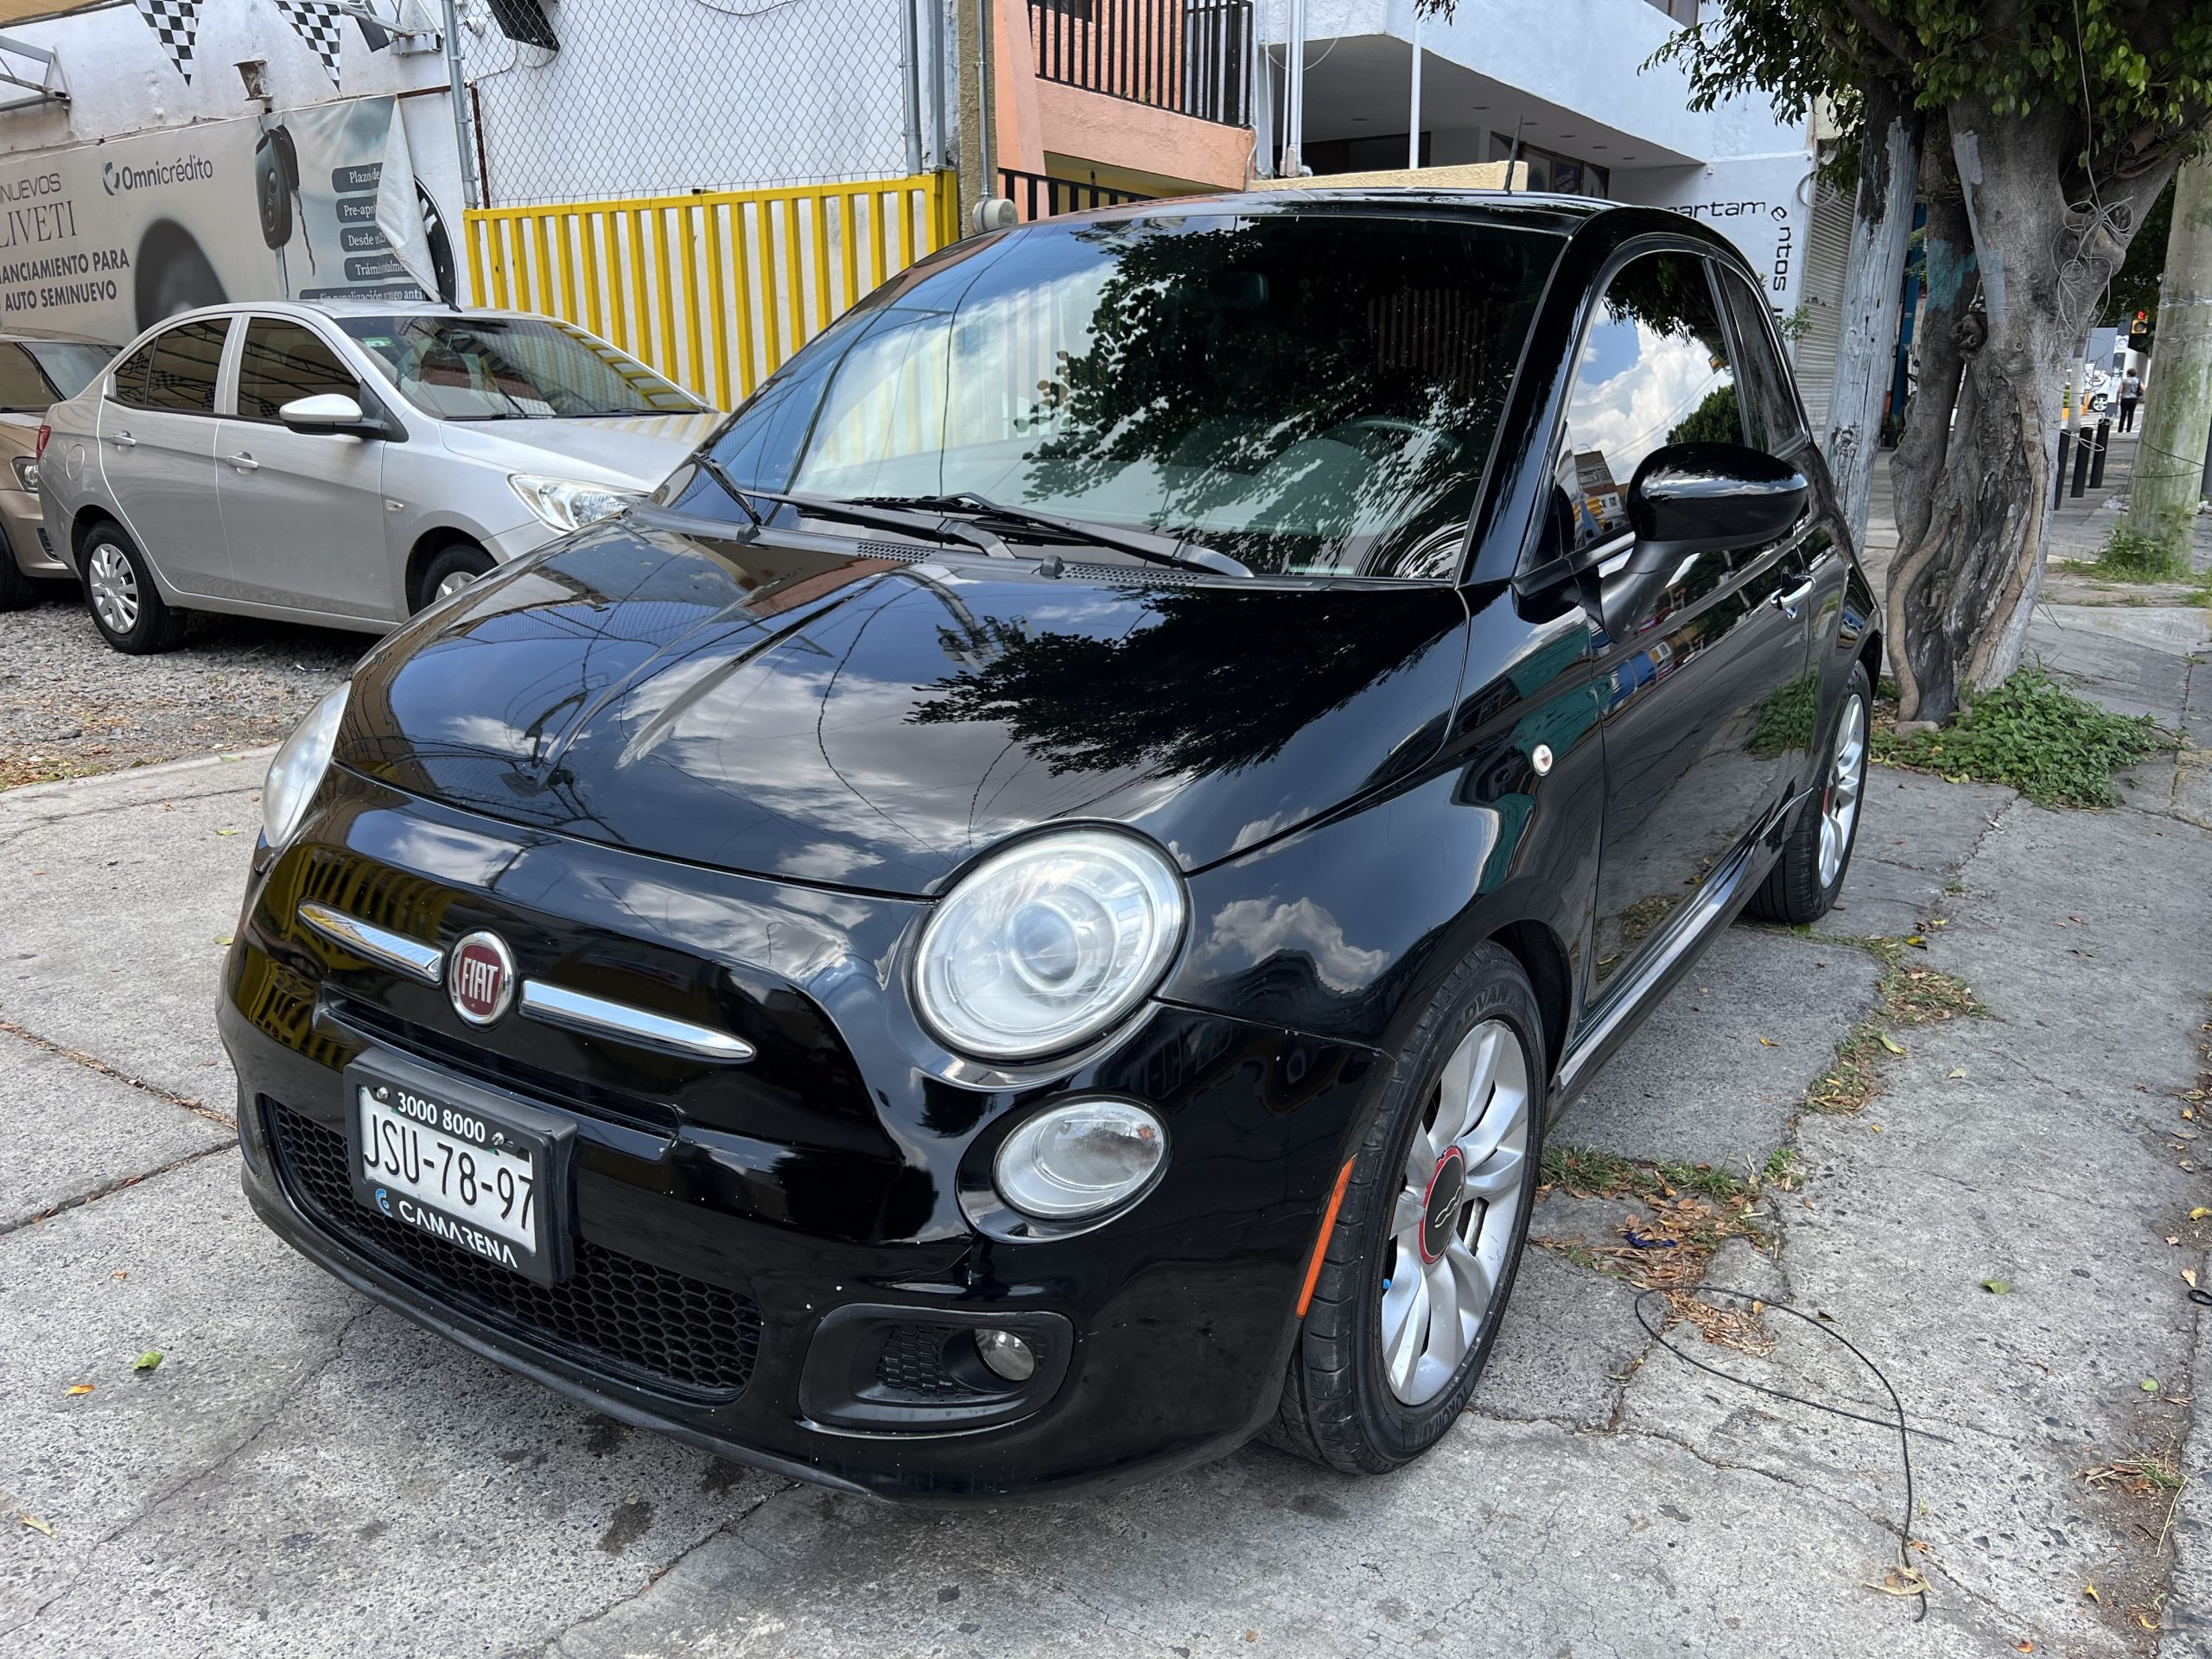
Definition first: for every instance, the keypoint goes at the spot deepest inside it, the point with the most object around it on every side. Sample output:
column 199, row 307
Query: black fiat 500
column 1019, row 924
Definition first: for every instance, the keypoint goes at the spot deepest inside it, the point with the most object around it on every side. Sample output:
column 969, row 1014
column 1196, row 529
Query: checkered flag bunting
column 315, row 21
column 177, row 24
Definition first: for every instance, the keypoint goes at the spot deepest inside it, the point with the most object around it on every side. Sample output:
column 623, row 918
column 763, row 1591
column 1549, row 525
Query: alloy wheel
column 453, row 584
column 114, row 585
column 1847, row 774
column 1454, row 1222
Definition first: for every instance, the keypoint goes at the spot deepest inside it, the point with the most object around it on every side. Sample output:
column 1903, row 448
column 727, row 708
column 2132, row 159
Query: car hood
column 873, row 722
column 633, row 451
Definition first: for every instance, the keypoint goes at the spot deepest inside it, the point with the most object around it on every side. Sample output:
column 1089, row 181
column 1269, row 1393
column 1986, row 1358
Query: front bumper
column 757, row 1207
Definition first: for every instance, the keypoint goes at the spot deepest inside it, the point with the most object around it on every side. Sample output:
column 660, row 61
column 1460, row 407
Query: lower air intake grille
column 663, row 1326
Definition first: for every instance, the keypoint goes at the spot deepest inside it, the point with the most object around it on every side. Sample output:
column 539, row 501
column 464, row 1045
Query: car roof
column 1562, row 215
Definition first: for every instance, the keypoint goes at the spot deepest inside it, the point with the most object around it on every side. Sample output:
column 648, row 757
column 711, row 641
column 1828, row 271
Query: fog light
column 1007, row 1355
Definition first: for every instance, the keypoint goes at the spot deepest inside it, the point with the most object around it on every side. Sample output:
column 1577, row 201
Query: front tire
column 451, row 569
column 1430, row 1233
column 1805, row 881
column 127, row 608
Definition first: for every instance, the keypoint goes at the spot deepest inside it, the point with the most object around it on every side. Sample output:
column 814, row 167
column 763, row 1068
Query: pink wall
column 1036, row 115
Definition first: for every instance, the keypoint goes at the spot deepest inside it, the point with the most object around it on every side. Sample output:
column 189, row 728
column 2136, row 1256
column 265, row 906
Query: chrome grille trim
column 397, row 951
column 598, row 1016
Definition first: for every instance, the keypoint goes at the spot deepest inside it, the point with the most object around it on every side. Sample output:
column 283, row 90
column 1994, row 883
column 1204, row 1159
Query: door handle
column 245, row 463
column 124, row 441
column 1787, row 603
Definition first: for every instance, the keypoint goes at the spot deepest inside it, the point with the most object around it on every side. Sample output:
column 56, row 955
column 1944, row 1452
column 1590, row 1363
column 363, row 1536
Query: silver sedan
column 342, row 466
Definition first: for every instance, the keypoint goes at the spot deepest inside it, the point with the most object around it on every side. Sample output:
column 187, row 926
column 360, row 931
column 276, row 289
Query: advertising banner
column 1759, row 203
column 106, row 239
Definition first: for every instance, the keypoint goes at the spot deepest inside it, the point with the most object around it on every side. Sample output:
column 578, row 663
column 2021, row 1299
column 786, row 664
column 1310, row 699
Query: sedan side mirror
column 332, row 412
column 1702, row 497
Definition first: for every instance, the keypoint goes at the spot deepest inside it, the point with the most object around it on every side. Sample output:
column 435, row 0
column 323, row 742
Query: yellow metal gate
column 714, row 290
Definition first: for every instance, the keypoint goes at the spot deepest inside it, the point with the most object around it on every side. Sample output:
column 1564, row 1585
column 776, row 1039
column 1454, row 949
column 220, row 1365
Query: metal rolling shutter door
column 1829, row 250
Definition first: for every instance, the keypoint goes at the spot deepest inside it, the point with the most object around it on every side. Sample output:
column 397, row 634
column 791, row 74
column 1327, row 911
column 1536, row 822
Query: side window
column 181, row 377
column 130, row 377
column 1655, row 371
column 282, row 360
column 1770, row 408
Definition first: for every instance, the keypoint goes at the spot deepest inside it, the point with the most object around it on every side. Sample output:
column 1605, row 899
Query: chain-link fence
column 669, row 98
column 708, row 183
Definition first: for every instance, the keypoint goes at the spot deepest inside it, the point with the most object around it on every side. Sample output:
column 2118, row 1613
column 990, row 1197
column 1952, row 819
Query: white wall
column 1585, row 56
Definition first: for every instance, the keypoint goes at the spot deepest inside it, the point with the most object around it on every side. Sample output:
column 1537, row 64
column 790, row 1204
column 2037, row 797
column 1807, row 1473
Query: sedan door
column 1702, row 664
column 157, row 431
column 304, row 510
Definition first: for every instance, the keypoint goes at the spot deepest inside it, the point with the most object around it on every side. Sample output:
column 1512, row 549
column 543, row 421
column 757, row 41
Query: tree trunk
column 2177, row 397
column 1975, row 493
column 1881, row 227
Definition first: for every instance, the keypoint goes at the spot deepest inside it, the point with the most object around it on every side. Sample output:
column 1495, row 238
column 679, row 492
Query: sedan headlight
column 1043, row 947
column 26, row 470
column 571, row 503
column 298, row 767
column 1080, row 1159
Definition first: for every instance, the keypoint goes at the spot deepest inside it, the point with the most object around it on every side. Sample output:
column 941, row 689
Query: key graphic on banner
column 315, row 21
column 176, row 24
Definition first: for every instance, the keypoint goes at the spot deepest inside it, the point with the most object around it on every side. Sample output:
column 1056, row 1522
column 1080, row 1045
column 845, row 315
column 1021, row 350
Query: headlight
column 26, row 470
column 1080, row 1159
column 298, row 767
column 570, row 503
column 1046, row 944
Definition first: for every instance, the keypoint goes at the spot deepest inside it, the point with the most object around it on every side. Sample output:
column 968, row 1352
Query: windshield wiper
column 933, row 525
column 1143, row 543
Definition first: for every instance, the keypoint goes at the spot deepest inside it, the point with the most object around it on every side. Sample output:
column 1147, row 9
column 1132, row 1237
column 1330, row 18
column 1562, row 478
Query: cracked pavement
column 306, row 1474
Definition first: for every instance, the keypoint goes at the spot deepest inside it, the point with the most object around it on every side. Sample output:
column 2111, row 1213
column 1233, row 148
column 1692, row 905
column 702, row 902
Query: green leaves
column 2031, row 733
column 149, row 1361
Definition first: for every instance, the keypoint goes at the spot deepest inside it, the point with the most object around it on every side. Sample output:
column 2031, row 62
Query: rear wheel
column 1435, row 1214
column 127, row 608
column 450, row 569
column 1805, row 881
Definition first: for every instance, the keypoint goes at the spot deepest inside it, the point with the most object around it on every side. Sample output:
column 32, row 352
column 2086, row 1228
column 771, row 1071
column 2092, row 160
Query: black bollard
column 2097, row 467
column 2058, row 491
column 2083, row 452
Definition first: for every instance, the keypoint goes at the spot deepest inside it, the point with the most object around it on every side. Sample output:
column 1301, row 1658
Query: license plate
column 486, row 1174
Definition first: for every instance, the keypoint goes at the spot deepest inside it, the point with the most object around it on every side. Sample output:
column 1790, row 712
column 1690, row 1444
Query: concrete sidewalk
column 305, row 1474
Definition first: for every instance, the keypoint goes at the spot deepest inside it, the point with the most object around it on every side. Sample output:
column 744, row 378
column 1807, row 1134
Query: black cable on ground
column 1913, row 1573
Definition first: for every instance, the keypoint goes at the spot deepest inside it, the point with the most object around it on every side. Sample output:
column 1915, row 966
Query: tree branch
column 1884, row 35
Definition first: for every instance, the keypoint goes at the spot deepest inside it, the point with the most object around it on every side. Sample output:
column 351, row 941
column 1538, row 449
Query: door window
column 181, row 377
column 1655, row 371
column 130, row 377
column 283, row 360
column 1771, row 413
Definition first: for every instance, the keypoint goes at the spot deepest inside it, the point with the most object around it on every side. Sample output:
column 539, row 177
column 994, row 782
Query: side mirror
column 1702, row 497
column 331, row 412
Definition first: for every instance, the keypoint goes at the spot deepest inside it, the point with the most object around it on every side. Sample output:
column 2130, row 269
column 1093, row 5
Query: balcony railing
column 1036, row 196
column 1191, row 56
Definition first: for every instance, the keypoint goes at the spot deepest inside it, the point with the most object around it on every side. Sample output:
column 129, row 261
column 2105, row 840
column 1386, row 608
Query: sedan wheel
column 127, row 607
column 455, row 582
column 1453, row 1223
column 114, row 586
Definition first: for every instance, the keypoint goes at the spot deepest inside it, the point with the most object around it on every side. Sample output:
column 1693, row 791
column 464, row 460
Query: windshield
column 35, row 374
column 464, row 368
column 1312, row 394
